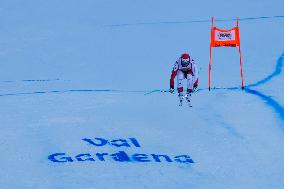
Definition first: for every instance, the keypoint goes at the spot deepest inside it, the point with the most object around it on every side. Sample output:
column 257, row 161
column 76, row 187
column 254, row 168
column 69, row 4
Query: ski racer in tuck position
column 184, row 68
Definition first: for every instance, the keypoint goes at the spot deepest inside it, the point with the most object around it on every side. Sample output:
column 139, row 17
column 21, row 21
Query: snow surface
column 74, row 70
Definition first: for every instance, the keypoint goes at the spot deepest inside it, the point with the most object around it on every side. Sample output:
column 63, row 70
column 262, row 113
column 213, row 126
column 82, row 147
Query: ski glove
column 195, row 85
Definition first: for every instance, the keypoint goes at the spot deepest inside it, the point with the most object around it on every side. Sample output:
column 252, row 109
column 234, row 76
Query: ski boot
column 180, row 96
column 188, row 97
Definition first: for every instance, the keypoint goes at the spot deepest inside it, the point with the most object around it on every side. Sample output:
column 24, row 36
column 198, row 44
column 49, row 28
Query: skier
column 184, row 68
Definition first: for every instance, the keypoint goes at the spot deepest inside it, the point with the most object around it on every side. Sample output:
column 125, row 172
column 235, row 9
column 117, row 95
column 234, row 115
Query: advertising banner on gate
column 225, row 38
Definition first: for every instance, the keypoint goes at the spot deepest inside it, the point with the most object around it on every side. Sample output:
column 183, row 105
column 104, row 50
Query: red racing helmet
column 185, row 59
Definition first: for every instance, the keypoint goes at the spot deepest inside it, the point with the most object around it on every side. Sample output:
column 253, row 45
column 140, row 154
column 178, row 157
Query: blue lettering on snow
column 60, row 160
column 140, row 157
column 84, row 157
column 120, row 156
column 101, row 156
column 120, row 143
column 135, row 142
column 157, row 158
column 117, row 142
column 183, row 159
column 101, row 141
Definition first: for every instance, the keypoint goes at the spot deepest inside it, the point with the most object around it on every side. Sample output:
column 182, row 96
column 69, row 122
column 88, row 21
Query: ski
column 157, row 90
column 168, row 91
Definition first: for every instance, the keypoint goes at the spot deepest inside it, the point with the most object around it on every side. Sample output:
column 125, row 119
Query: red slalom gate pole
column 210, row 65
column 210, row 61
column 241, row 57
column 241, row 68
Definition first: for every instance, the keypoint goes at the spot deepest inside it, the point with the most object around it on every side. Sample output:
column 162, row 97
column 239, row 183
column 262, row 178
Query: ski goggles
column 185, row 61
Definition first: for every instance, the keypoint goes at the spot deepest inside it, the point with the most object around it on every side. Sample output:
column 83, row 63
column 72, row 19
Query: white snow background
column 71, row 70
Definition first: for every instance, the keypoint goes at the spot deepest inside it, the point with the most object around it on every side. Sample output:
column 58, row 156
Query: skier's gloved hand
column 195, row 85
column 171, row 90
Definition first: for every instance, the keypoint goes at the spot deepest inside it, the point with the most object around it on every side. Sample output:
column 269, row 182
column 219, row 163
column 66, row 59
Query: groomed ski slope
column 79, row 107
